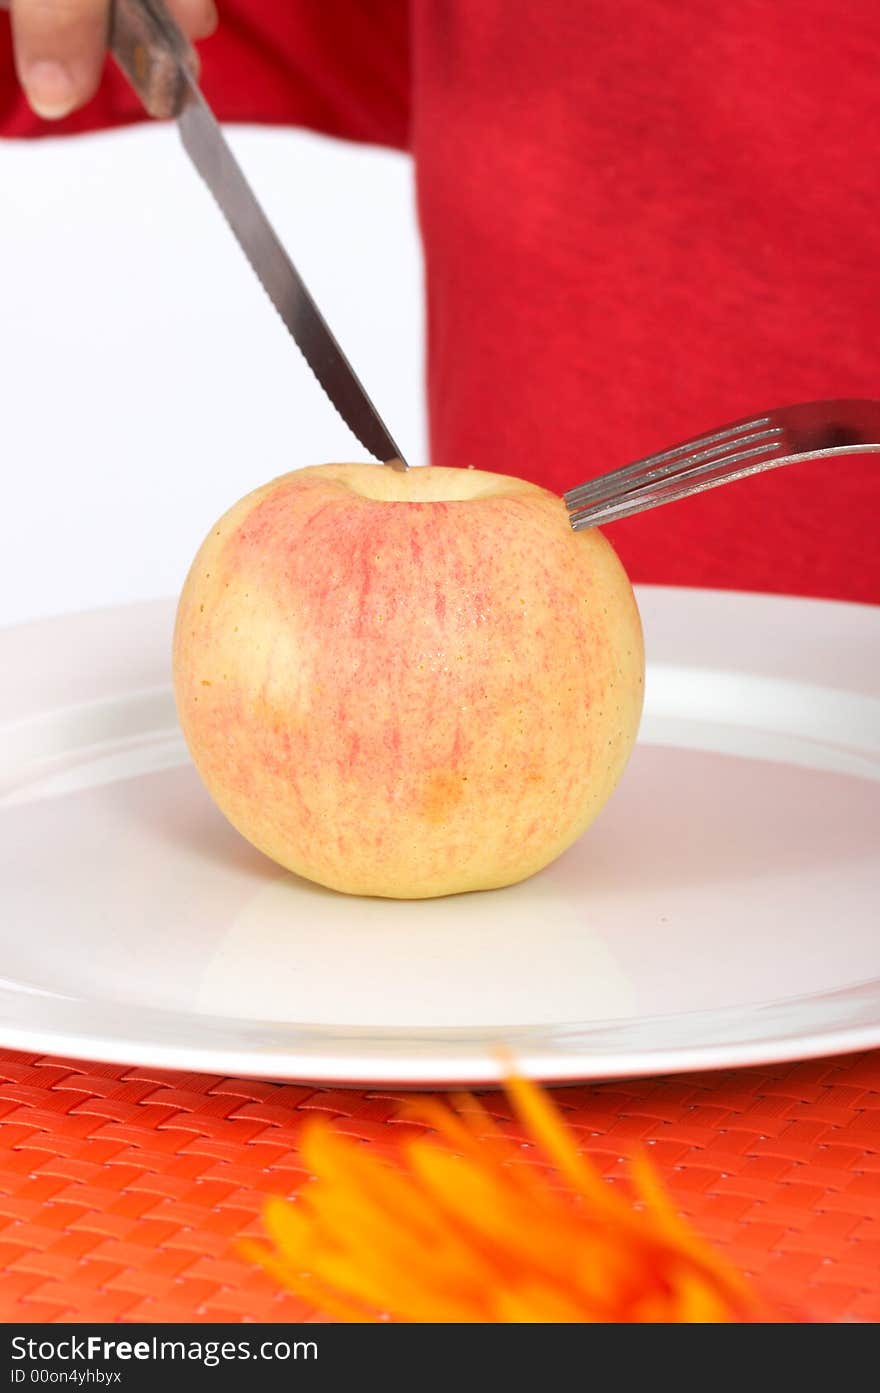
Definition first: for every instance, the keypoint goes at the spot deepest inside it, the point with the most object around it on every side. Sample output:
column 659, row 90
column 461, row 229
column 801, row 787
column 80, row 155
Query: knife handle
column 151, row 51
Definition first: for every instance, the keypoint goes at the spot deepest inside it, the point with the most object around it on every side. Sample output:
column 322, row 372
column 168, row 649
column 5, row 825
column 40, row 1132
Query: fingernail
column 208, row 24
column 49, row 89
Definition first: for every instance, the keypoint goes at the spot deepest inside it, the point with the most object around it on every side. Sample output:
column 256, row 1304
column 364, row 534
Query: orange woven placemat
column 123, row 1190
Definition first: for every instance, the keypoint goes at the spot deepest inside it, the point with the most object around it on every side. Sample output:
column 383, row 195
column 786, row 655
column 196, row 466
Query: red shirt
column 641, row 219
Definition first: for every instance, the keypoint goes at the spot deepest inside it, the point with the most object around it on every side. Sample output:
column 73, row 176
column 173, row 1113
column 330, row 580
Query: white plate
column 723, row 910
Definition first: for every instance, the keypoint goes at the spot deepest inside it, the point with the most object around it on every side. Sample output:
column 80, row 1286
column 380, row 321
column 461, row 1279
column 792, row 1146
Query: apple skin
column 407, row 685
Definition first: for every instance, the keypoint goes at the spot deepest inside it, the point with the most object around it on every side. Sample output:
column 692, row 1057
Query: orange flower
column 473, row 1233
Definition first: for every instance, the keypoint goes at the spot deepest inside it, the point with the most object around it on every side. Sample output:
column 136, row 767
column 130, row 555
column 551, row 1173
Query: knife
column 162, row 67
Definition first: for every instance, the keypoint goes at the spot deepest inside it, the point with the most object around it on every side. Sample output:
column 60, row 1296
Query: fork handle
column 152, row 52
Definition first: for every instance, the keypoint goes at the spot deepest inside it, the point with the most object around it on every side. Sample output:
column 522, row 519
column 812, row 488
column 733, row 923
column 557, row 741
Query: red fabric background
column 640, row 220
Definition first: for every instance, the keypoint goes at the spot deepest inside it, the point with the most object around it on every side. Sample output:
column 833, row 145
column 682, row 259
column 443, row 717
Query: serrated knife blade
column 161, row 66
column 206, row 146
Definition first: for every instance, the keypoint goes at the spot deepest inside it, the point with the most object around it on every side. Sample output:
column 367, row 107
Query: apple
column 407, row 684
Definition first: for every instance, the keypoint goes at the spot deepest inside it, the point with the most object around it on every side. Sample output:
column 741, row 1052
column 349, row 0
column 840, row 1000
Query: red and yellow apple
column 407, row 684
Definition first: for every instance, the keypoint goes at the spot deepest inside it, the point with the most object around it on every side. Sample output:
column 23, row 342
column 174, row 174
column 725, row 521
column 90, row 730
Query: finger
column 59, row 47
column 197, row 18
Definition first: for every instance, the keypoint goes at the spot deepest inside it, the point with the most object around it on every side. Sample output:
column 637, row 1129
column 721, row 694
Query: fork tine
column 806, row 431
column 640, row 497
column 617, row 485
column 718, row 442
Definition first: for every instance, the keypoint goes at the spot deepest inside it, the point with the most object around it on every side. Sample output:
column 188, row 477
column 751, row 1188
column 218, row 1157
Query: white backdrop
column 146, row 381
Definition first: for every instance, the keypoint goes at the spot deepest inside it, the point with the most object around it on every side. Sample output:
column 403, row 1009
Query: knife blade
column 162, row 67
column 204, row 143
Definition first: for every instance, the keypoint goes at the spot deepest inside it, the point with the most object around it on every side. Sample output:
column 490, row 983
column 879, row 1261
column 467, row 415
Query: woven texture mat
column 123, row 1190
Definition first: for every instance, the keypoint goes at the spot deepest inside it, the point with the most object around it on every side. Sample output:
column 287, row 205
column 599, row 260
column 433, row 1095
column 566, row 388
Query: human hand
column 60, row 45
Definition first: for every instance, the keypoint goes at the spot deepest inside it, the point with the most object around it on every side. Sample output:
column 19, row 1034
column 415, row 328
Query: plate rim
column 484, row 1065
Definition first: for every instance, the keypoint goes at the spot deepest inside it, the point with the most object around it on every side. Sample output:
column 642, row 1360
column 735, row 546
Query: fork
column 810, row 430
